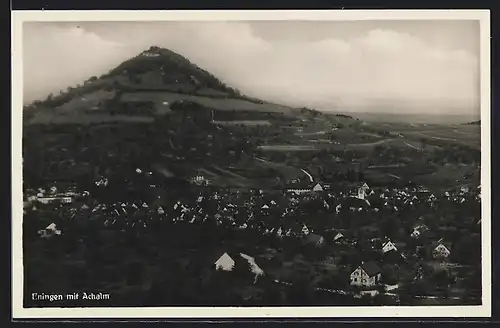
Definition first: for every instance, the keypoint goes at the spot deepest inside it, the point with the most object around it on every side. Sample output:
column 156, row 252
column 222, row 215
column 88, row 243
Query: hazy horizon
column 413, row 67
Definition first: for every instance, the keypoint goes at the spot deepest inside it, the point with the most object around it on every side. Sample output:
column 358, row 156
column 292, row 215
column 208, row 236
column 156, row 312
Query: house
column 299, row 187
column 366, row 275
column 63, row 199
column 298, row 191
column 361, row 193
column 338, row 236
column 419, row 230
column 389, row 246
column 315, row 239
column 441, row 251
column 103, row 182
column 49, row 231
column 200, row 180
column 224, row 263
column 305, row 230
column 317, row 188
column 151, row 52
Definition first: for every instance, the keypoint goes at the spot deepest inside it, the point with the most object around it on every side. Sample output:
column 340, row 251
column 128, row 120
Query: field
column 88, row 101
column 81, row 109
column 468, row 135
column 59, row 117
column 243, row 122
column 286, row 148
column 211, row 102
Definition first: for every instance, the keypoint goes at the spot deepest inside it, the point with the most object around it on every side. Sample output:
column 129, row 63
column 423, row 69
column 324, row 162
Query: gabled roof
column 386, row 240
column 371, row 268
column 389, row 242
column 445, row 244
column 51, row 226
column 339, row 234
column 224, row 255
column 318, row 187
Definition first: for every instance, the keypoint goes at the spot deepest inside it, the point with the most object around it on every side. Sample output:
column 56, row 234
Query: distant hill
column 474, row 123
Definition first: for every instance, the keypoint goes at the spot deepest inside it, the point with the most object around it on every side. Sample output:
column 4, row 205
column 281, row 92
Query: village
column 386, row 245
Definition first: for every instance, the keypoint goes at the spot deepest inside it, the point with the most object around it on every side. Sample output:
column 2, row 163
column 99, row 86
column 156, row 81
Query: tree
column 442, row 278
column 389, row 274
column 468, row 250
column 242, row 271
column 134, row 272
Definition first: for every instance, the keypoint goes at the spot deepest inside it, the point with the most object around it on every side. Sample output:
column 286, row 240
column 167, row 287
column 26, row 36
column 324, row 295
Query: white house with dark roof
column 389, row 246
column 366, row 275
column 441, row 250
column 418, row 230
column 49, row 231
column 338, row 236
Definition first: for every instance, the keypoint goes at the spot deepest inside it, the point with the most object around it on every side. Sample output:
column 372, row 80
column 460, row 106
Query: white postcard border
column 18, row 312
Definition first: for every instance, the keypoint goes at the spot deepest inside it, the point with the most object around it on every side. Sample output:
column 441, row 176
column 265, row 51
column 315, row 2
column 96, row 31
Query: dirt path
column 229, row 173
column 411, row 146
column 437, row 138
column 375, row 143
column 394, row 176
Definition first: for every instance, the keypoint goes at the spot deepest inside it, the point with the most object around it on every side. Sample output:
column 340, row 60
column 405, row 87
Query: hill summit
column 161, row 68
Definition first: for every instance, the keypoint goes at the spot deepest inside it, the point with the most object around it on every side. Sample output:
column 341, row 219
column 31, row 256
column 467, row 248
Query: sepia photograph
column 251, row 164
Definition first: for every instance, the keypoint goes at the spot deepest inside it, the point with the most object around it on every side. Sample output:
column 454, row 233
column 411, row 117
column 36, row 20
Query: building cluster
column 279, row 214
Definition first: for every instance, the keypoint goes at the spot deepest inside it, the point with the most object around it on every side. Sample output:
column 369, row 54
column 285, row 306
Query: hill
column 164, row 111
column 143, row 87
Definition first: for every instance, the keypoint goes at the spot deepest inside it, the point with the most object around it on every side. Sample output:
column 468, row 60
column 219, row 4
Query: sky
column 352, row 66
